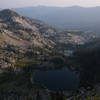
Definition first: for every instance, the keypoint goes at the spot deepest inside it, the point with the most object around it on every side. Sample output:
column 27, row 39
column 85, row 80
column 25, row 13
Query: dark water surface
column 57, row 79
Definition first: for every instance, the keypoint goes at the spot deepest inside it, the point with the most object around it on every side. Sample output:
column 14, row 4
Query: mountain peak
column 8, row 13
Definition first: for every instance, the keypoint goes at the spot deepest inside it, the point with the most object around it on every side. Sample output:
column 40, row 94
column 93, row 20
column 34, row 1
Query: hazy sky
column 23, row 3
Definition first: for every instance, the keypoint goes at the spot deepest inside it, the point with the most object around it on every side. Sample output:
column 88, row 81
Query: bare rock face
column 20, row 31
column 20, row 34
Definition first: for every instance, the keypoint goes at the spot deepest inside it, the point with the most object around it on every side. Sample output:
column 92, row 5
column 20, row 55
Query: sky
column 61, row 3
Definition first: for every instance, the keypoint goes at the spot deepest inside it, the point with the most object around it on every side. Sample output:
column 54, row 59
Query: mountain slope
column 21, row 31
column 20, row 35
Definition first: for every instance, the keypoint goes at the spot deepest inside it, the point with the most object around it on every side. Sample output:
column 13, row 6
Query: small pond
column 57, row 79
